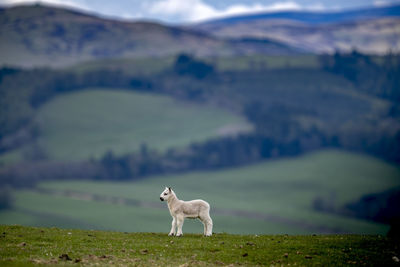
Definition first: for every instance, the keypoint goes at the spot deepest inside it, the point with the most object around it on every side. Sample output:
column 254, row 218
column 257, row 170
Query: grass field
column 28, row 246
column 88, row 123
column 273, row 197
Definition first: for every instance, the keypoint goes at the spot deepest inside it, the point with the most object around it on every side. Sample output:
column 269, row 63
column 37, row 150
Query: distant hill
column 373, row 30
column 276, row 197
column 40, row 35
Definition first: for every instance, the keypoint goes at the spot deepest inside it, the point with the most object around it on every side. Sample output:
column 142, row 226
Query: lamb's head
column 167, row 193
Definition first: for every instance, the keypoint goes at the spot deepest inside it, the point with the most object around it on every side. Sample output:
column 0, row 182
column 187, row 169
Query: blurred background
column 284, row 116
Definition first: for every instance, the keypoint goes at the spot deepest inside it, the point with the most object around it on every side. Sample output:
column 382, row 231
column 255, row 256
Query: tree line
column 210, row 155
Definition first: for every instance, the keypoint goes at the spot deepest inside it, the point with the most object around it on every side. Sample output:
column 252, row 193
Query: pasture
column 273, row 197
column 29, row 246
column 88, row 123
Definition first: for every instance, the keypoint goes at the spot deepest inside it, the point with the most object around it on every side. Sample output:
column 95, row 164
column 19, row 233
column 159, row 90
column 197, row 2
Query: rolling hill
column 272, row 197
column 374, row 31
column 89, row 123
column 47, row 36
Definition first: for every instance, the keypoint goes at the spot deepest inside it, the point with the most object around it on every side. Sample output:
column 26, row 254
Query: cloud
column 316, row 7
column 174, row 11
column 197, row 10
column 63, row 3
column 380, row 3
column 182, row 9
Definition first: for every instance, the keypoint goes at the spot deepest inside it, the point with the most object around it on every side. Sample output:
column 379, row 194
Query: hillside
column 272, row 197
column 46, row 36
column 29, row 246
column 373, row 31
column 319, row 102
column 85, row 124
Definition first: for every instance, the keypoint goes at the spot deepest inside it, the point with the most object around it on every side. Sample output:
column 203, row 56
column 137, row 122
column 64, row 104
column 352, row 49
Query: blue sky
column 183, row 11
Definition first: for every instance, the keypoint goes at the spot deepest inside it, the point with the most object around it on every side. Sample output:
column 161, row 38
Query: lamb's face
column 166, row 194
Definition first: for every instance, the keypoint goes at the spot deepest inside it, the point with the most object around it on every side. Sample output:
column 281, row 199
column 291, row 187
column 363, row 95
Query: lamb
column 179, row 210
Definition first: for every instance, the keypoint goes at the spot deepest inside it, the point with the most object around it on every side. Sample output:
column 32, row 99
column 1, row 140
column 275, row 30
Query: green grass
column 276, row 196
column 29, row 246
column 88, row 123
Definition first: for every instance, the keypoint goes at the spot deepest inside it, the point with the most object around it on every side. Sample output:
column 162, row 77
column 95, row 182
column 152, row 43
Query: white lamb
column 194, row 209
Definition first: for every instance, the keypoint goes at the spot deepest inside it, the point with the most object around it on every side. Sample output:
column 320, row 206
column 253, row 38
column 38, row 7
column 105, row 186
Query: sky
column 188, row 11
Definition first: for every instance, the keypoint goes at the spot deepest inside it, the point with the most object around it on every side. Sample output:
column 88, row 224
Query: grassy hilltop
column 30, row 246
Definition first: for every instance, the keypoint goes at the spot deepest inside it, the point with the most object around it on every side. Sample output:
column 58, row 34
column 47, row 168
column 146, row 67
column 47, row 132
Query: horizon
column 170, row 11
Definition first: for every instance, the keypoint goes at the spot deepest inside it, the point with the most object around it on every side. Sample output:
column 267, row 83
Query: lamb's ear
column 169, row 188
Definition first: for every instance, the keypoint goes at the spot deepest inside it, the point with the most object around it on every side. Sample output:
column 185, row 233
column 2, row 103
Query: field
column 90, row 122
column 31, row 246
column 273, row 197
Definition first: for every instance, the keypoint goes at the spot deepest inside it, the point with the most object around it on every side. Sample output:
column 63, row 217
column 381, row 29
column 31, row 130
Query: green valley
column 274, row 197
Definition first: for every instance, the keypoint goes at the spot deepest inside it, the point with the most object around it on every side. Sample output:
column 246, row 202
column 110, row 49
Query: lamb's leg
column 208, row 223
column 205, row 226
column 173, row 228
column 209, row 226
column 180, row 224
